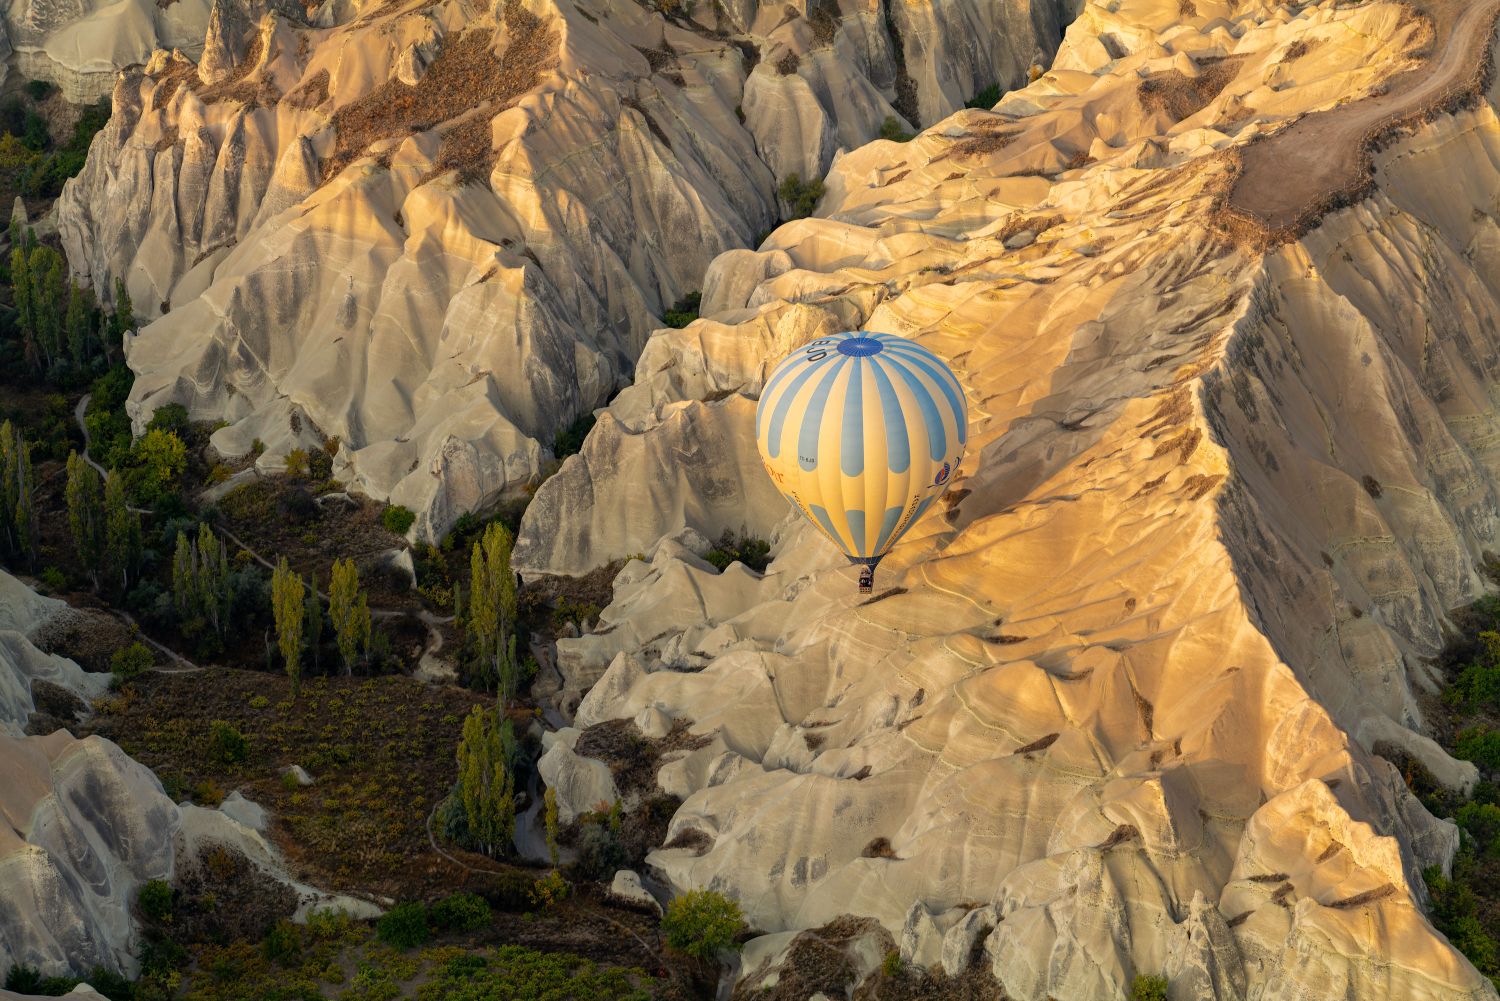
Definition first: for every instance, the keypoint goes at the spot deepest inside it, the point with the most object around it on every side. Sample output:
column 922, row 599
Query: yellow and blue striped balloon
column 862, row 432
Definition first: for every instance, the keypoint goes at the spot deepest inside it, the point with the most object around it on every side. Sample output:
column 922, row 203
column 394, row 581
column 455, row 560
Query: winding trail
column 1290, row 178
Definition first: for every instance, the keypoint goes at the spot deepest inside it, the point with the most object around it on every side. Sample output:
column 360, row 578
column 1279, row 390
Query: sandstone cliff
column 1115, row 710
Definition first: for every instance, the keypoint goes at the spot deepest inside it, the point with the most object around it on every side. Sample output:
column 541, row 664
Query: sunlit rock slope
column 442, row 231
column 1116, row 709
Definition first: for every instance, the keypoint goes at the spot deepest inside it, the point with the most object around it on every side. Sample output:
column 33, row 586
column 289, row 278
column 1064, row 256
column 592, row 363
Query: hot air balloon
column 862, row 432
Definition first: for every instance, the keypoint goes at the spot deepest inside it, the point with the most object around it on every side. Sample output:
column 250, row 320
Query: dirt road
column 1290, row 179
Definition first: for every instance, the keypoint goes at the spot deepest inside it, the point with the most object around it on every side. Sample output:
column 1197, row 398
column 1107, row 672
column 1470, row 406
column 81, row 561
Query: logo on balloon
column 942, row 476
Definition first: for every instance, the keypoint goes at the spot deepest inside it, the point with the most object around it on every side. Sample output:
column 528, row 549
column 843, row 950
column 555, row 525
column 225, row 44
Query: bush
column 171, row 417
column 404, row 926
column 397, row 519
column 460, row 912
column 54, row 581
column 1480, row 745
column 701, row 923
column 600, row 853
column 226, row 744
column 800, row 196
column 155, row 901
column 282, row 944
column 569, row 441
column 891, row 129
column 684, row 311
column 550, row 890
column 754, row 553
column 985, row 99
column 131, row 662
column 38, row 90
column 1147, row 987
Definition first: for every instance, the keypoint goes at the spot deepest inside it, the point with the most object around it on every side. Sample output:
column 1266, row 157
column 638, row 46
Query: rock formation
column 441, row 232
column 1118, row 709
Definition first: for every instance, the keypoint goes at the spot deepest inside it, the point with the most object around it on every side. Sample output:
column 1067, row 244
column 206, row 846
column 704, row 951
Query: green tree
column 21, row 293
column 349, row 612
column 79, row 325
column 288, row 609
column 200, row 581
column 18, row 518
column 122, row 531
column 1147, row 987
column 492, row 610
column 162, row 457
column 702, row 923
column 487, row 791
column 122, row 320
column 85, row 513
column 48, row 277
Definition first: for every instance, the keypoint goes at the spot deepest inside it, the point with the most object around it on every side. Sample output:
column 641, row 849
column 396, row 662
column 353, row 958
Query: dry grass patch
column 1180, row 97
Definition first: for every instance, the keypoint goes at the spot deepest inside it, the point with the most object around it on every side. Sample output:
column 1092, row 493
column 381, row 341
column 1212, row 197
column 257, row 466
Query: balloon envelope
column 862, row 432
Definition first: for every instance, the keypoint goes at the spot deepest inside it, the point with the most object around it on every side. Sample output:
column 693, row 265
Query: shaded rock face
column 440, row 233
column 1114, row 710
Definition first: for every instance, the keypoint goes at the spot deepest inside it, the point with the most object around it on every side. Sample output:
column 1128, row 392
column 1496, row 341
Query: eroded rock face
column 442, row 232
column 1115, row 710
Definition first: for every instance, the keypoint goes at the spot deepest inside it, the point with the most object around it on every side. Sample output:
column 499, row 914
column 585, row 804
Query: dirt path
column 1291, row 178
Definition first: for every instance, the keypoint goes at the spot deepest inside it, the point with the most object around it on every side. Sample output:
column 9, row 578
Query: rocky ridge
column 1118, row 709
column 439, row 232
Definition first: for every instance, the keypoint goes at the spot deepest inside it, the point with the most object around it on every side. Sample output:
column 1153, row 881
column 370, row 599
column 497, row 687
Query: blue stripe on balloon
column 783, row 407
column 887, row 526
column 827, row 525
column 812, row 417
column 897, row 442
column 938, row 372
column 937, row 441
column 852, row 447
column 856, row 533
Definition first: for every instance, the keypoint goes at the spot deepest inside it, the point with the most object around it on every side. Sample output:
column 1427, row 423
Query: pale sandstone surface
column 1116, row 710
column 446, row 289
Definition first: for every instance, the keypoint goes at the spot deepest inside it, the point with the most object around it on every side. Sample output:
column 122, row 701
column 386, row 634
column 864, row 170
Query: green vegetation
column 569, row 441
column 131, row 662
column 27, row 980
column 985, row 99
column 515, row 973
column 891, row 129
column 18, row 516
column 754, row 553
column 1147, row 987
column 349, row 612
column 397, row 519
column 486, row 780
column 702, row 923
column 289, row 609
column 155, row 901
column 404, row 926
column 801, row 197
column 460, row 912
column 684, row 311
column 85, row 499
column 201, row 590
column 226, row 744
column 492, row 614
column 31, row 164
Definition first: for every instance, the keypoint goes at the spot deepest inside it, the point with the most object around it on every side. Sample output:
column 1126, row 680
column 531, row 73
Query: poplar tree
column 122, row 530
column 200, row 580
column 79, row 326
column 20, row 278
column 487, row 791
column 349, row 612
column 18, row 521
column 492, row 609
column 85, row 513
column 288, row 609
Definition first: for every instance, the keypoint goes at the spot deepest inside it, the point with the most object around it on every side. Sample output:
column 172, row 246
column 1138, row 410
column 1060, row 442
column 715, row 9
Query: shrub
column 155, row 901
column 985, row 99
column 296, row 463
column 550, row 890
column 891, row 129
column 54, row 581
column 569, row 441
column 700, row 923
column 800, row 196
column 131, row 662
column 600, row 853
column 891, row 966
column 38, row 90
column 404, row 926
column 282, row 945
column 460, row 912
column 684, row 311
column 1480, row 745
column 1147, row 987
column 397, row 519
column 171, row 417
column 754, row 553
column 226, row 744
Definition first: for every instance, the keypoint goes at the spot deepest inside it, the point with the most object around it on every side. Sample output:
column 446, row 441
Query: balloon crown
column 860, row 347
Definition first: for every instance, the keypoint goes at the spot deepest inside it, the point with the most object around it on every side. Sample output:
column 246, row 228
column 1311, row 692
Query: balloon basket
column 866, row 579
